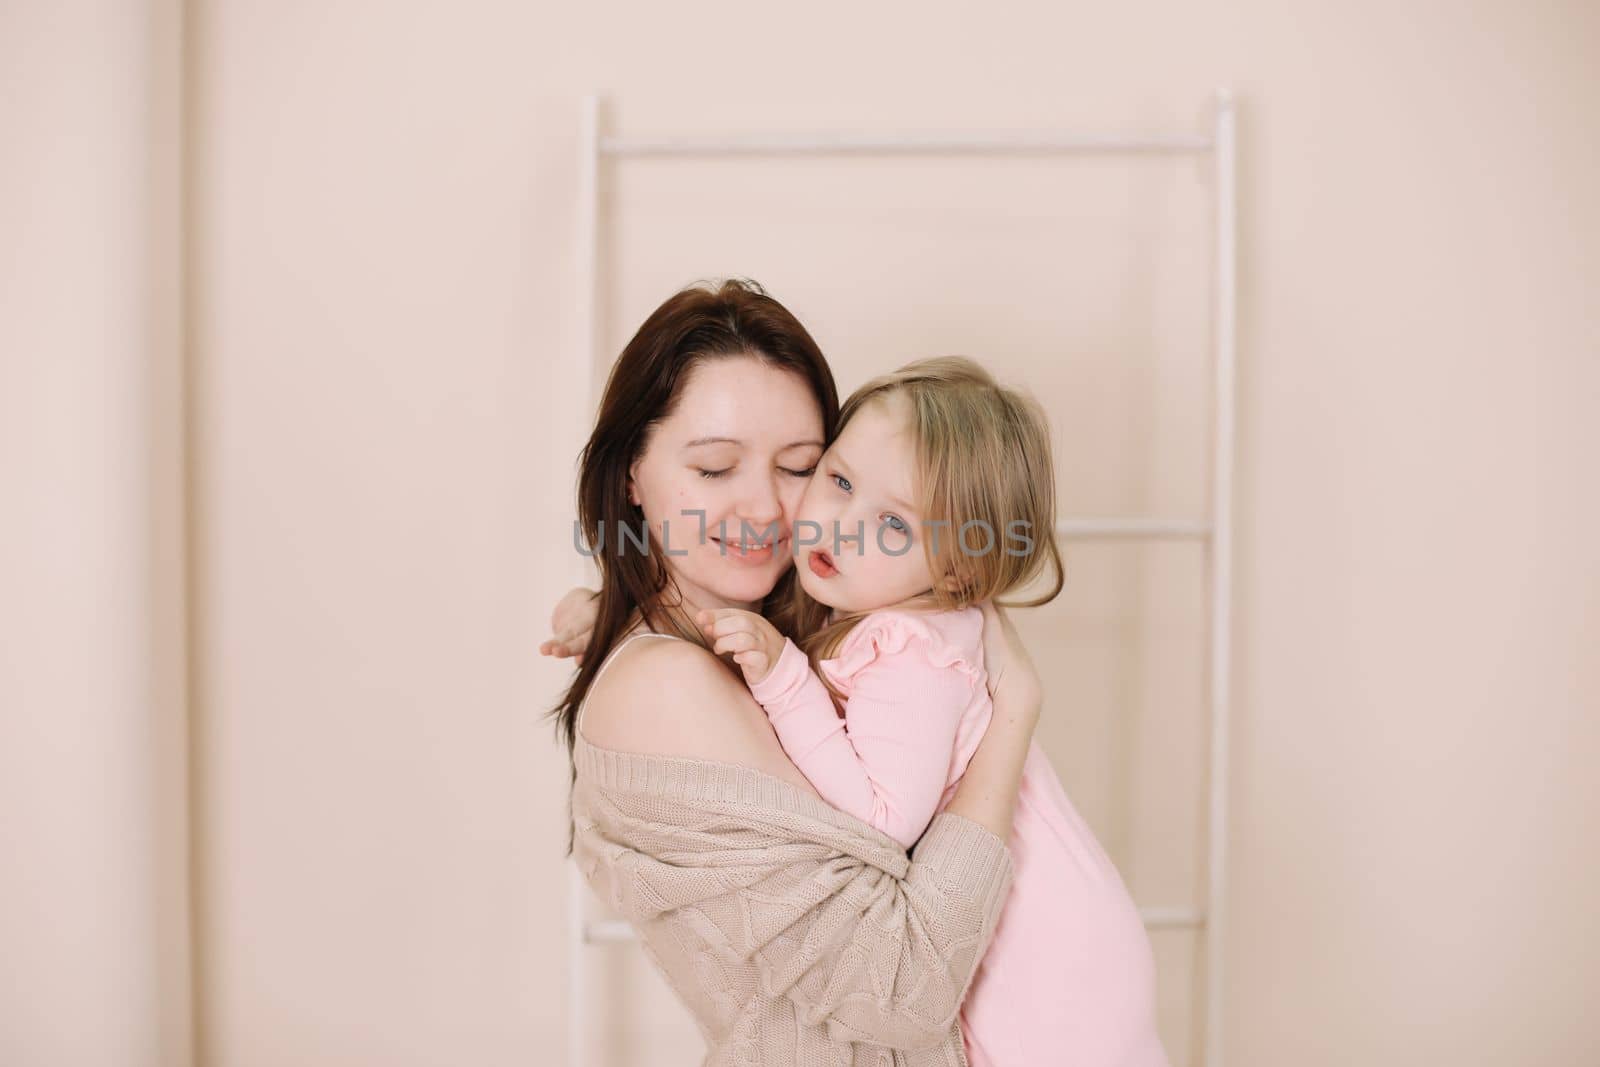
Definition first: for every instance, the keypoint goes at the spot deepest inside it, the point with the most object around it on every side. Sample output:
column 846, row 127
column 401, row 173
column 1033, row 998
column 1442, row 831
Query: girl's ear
column 954, row 584
column 633, row 490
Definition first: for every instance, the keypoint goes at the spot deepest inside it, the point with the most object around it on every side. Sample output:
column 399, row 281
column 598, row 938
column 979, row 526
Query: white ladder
column 1216, row 534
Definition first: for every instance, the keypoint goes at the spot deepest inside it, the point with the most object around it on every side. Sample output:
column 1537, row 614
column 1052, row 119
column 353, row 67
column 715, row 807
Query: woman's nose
column 762, row 505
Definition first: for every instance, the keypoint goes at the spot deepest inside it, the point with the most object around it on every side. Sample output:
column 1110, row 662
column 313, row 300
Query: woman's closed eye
column 704, row 473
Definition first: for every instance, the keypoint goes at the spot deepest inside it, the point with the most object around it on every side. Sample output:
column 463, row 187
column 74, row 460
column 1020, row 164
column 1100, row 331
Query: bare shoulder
column 664, row 697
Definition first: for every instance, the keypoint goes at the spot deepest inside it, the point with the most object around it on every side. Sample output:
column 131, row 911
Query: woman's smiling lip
column 761, row 552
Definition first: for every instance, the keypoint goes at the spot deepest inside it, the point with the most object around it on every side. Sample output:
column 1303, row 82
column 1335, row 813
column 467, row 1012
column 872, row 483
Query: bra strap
column 609, row 658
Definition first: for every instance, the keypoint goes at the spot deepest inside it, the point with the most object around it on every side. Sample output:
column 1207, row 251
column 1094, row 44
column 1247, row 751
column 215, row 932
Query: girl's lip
column 821, row 564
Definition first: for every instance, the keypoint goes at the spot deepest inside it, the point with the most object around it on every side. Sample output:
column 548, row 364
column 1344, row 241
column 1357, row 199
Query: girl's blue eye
column 895, row 523
column 842, row 482
column 713, row 474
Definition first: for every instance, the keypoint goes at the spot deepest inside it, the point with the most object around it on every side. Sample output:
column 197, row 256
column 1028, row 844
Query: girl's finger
column 739, row 642
column 728, row 624
column 733, row 643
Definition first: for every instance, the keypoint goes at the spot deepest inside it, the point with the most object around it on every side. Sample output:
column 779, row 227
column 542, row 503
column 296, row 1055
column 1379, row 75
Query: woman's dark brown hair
column 700, row 323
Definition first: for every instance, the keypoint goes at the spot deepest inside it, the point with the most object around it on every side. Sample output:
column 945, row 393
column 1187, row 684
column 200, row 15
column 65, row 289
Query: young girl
column 937, row 493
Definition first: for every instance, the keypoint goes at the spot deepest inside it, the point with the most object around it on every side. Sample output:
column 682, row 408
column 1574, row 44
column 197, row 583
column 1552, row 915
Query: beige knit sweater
column 797, row 935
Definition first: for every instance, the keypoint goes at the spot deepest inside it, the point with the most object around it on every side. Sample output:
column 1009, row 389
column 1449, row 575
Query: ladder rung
column 1179, row 528
column 607, row 930
column 848, row 143
column 614, row 931
column 1172, row 919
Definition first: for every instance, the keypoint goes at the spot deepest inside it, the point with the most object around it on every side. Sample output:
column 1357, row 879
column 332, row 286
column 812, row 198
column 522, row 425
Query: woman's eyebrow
column 736, row 441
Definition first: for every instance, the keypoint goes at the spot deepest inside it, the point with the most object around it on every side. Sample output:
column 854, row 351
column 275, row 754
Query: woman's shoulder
column 645, row 689
column 946, row 638
column 666, row 696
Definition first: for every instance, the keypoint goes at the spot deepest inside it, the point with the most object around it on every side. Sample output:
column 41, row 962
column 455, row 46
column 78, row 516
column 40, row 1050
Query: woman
column 794, row 933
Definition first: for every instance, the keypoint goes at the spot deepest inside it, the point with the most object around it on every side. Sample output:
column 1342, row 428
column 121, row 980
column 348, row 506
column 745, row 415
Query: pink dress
column 1069, row 977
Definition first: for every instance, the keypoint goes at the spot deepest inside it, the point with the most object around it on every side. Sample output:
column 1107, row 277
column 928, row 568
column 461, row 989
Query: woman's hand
column 754, row 642
column 987, row 793
column 573, row 622
column 1012, row 677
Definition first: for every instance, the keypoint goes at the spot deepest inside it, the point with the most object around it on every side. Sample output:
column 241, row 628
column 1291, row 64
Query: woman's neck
column 692, row 601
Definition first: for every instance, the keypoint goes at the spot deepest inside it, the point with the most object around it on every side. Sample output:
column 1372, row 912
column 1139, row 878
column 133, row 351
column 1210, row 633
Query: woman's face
column 720, row 478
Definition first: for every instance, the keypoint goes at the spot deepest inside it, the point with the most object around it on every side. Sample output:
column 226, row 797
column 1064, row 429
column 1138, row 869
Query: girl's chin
column 817, row 589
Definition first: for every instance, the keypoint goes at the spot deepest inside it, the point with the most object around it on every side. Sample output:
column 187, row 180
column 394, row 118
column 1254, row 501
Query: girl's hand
column 754, row 642
column 1012, row 677
column 573, row 622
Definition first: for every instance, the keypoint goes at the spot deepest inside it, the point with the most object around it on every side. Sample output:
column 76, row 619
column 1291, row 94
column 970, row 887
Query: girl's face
column 870, row 552
column 740, row 446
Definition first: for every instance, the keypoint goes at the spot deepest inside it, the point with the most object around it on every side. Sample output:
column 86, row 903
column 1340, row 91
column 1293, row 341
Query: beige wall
column 381, row 314
column 94, row 900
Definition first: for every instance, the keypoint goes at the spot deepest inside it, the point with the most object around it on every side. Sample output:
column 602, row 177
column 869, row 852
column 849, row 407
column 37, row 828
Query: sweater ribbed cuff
column 968, row 858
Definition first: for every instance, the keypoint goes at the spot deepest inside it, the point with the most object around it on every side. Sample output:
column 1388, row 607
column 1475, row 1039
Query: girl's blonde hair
column 982, row 456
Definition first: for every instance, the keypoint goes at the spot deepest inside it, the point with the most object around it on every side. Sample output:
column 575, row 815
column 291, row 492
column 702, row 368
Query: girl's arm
column 888, row 760
column 988, row 799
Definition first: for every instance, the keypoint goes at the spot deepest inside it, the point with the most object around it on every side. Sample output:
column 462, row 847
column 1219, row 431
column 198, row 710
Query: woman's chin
column 743, row 583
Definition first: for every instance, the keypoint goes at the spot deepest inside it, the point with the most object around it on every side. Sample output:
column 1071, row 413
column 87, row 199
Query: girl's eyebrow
column 838, row 459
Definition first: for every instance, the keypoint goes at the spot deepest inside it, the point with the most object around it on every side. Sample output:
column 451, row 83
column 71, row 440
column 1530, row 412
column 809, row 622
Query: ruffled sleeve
column 909, row 682
column 944, row 641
